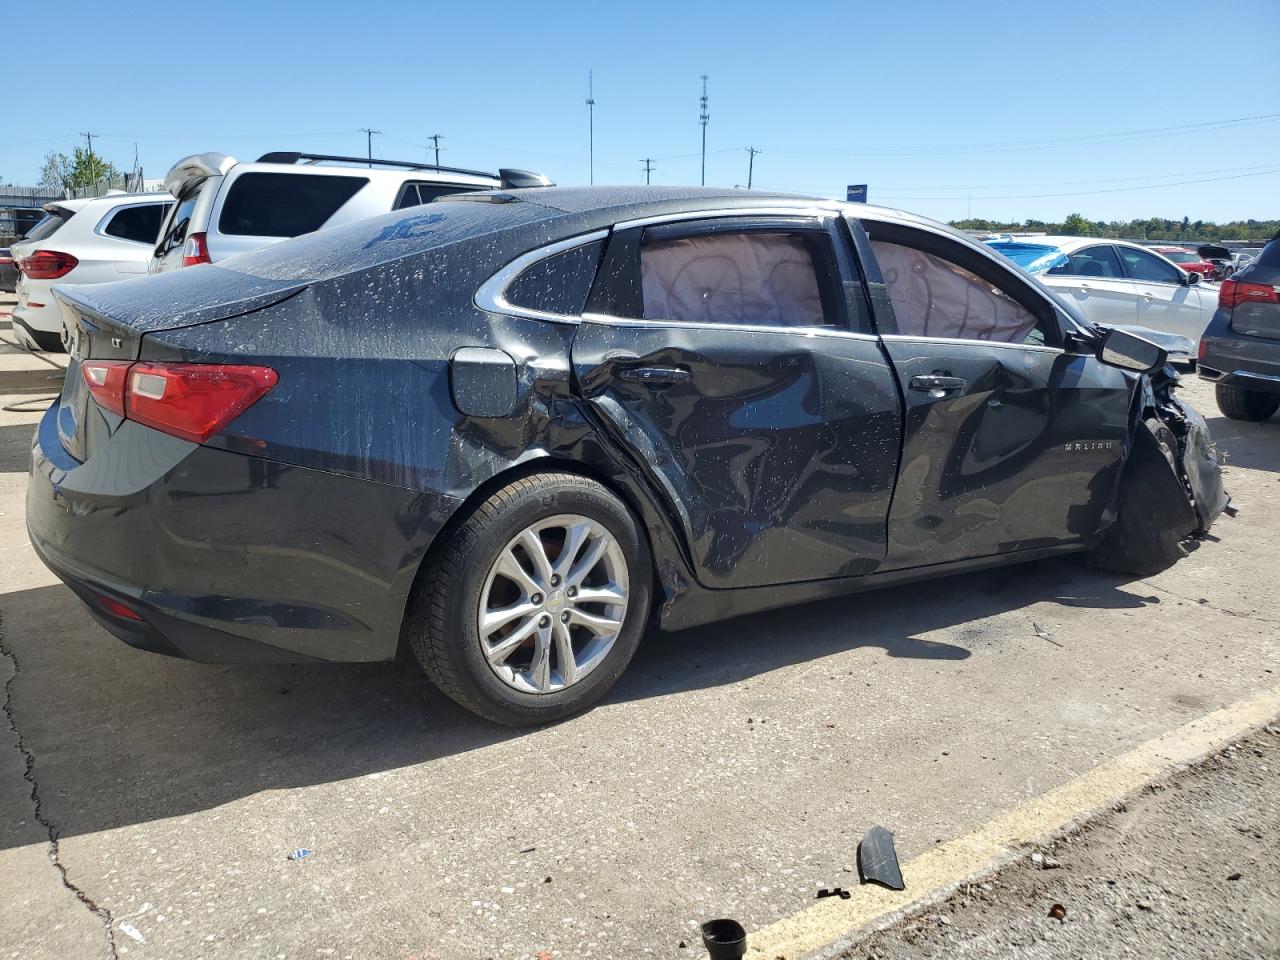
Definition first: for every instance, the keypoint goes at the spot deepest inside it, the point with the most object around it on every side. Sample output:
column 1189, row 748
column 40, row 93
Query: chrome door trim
column 912, row 338
column 612, row 321
column 803, row 208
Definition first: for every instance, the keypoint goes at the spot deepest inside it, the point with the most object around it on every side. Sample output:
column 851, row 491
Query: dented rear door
column 776, row 447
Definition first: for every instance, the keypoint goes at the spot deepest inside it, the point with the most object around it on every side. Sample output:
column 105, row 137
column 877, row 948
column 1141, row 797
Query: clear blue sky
column 931, row 103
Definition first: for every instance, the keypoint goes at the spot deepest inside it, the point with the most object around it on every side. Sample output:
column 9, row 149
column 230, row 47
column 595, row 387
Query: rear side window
column 415, row 193
column 560, row 283
column 1091, row 262
column 283, row 204
column 137, row 224
column 49, row 225
column 765, row 278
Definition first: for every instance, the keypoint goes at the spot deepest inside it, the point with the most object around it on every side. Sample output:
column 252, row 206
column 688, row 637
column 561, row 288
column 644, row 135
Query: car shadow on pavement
column 1251, row 446
column 121, row 737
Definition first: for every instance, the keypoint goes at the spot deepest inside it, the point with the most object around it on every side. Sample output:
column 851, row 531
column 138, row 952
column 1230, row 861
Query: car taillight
column 193, row 400
column 1232, row 293
column 188, row 400
column 195, row 250
column 47, row 265
column 106, row 381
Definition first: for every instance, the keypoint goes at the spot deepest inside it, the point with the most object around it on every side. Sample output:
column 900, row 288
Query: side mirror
column 1122, row 349
column 1192, row 279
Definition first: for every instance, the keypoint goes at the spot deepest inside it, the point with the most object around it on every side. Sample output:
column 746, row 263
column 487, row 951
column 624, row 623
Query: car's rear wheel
column 534, row 605
column 1240, row 404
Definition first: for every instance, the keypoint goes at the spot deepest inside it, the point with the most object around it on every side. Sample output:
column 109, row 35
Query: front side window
column 773, row 278
column 283, row 204
column 933, row 296
column 1100, row 261
column 139, row 224
column 1140, row 265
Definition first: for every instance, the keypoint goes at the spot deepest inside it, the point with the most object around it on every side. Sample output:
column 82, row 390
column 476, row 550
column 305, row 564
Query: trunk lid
column 107, row 321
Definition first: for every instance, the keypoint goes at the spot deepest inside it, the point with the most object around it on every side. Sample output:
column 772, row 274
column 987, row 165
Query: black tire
column 441, row 622
column 1240, row 404
column 1154, row 514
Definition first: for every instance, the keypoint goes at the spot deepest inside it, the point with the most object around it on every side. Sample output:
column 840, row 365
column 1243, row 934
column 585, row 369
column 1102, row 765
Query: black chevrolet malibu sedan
column 513, row 428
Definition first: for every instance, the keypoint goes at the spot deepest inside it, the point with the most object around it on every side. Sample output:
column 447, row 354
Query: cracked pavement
column 730, row 773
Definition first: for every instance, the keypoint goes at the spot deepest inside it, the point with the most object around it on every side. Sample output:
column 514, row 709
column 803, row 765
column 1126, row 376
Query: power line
column 1151, row 133
column 648, row 169
column 703, row 117
column 751, row 162
column 1090, row 193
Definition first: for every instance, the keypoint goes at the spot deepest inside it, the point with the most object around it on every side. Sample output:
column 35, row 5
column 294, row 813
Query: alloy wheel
column 553, row 604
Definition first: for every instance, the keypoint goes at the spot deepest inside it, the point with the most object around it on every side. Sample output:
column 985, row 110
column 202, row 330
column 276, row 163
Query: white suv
column 226, row 207
column 93, row 240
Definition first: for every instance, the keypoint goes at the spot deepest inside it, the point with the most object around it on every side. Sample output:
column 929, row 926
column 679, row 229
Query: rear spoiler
column 196, row 169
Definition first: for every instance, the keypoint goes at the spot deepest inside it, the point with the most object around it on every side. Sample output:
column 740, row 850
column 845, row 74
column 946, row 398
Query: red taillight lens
column 47, row 265
column 193, row 400
column 116, row 608
column 1232, row 293
column 106, row 381
column 195, row 250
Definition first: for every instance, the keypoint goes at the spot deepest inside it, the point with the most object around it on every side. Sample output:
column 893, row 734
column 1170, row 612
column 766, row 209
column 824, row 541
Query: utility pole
column 89, row 138
column 435, row 139
column 751, row 162
column 369, row 141
column 648, row 169
column 591, row 129
column 703, row 117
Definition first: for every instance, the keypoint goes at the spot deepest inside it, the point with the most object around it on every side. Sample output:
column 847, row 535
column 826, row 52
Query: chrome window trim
column 613, row 321
column 803, row 208
column 916, row 338
column 491, row 297
column 101, row 228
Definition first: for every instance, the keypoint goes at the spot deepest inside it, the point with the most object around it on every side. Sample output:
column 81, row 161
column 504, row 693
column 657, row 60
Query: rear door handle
column 654, row 374
column 936, row 385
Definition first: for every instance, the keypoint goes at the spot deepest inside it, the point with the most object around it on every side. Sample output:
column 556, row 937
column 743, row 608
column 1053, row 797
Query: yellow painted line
column 828, row 926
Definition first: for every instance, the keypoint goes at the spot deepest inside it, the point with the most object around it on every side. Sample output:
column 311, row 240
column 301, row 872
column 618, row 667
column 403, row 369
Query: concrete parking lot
column 148, row 805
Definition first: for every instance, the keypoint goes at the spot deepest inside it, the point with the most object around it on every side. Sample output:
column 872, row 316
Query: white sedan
column 81, row 241
column 1117, row 283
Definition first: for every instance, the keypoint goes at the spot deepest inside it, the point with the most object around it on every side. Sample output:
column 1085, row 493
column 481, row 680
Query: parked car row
column 215, row 207
column 1118, row 283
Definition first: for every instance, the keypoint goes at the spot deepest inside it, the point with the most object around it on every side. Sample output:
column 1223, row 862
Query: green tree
column 84, row 169
column 1076, row 226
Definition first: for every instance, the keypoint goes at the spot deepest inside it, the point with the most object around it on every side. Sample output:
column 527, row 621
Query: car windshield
column 1031, row 257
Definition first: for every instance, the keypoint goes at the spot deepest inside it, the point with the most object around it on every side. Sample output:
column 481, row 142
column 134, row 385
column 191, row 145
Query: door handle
column 1085, row 288
column 1147, row 295
column 936, row 385
column 654, row 374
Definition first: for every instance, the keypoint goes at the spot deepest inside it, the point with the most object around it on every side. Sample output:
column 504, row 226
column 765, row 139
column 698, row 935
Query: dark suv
column 1240, row 349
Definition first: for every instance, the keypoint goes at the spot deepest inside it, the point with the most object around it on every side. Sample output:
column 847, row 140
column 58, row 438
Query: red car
column 1188, row 261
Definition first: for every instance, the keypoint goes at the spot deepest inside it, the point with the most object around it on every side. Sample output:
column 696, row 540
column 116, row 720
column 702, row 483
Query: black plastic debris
column 1058, row 912
column 840, row 892
column 724, row 939
column 878, row 861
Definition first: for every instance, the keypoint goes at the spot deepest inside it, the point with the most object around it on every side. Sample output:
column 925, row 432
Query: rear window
column 138, row 224
column 283, row 204
column 416, row 193
column 1270, row 256
column 49, row 225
